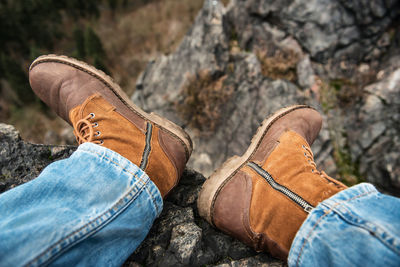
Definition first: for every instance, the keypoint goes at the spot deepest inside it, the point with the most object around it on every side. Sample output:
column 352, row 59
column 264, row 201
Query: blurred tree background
column 117, row 36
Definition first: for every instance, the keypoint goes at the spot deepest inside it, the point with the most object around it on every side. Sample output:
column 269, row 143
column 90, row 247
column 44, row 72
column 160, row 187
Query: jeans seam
column 153, row 199
column 323, row 216
column 101, row 225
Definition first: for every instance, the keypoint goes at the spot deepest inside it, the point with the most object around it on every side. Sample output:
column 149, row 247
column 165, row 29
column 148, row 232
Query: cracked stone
column 184, row 241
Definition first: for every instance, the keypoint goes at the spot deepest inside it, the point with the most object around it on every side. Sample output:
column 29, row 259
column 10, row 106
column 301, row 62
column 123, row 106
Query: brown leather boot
column 263, row 197
column 102, row 113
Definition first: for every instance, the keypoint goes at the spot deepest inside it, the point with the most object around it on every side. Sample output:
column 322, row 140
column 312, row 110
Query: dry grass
column 281, row 65
column 203, row 100
column 133, row 38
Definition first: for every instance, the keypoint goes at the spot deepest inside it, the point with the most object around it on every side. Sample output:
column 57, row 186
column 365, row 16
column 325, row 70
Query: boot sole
column 162, row 123
column 222, row 176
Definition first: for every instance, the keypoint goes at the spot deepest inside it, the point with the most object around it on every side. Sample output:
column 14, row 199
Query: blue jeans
column 92, row 209
column 96, row 207
column 356, row 227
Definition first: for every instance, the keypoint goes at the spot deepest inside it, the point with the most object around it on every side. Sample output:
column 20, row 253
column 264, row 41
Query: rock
column 20, row 161
column 305, row 73
column 185, row 239
column 324, row 28
column 376, row 134
column 260, row 260
column 371, row 134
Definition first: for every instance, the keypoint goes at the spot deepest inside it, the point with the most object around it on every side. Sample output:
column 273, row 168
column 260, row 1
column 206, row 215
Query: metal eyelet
column 95, row 125
column 98, row 133
column 101, row 142
column 305, row 154
column 92, row 115
column 303, row 146
column 312, row 170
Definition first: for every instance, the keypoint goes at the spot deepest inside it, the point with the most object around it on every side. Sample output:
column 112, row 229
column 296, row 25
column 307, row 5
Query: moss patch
column 281, row 65
column 347, row 92
column 204, row 96
column 347, row 168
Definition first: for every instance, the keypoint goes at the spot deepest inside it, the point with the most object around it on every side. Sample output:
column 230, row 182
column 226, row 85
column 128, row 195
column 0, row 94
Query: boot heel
column 214, row 183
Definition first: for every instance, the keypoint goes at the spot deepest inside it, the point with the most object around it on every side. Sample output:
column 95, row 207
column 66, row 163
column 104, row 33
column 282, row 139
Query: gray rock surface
column 179, row 237
column 20, row 161
column 378, row 124
column 326, row 29
column 269, row 54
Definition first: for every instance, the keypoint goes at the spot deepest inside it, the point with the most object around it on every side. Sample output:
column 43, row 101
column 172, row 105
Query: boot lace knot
column 84, row 130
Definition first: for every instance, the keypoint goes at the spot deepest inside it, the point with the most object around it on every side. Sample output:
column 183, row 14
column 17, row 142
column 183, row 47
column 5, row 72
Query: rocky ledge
column 179, row 237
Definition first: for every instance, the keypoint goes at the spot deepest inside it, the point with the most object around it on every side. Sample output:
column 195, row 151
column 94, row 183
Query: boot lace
column 310, row 158
column 84, row 132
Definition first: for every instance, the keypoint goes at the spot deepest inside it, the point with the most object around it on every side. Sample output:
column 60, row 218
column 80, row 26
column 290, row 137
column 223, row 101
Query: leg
column 91, row 209
column 356, row 227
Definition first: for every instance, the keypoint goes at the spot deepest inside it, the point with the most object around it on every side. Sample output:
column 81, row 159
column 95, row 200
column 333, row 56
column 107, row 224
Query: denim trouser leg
column 92, row 209
column 356, row 227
